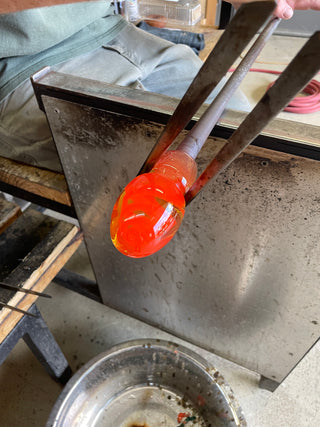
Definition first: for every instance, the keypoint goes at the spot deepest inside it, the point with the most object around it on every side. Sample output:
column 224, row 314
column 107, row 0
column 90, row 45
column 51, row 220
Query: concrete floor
column 84, row 328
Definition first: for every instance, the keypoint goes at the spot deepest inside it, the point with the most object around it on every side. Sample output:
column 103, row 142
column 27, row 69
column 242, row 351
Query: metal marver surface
column 146, row 383
column 241, row 277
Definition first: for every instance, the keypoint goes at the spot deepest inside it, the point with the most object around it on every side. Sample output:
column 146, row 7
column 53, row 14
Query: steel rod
column 10, row 307
column 244, row 25
column 294, row 78
column 26, row 291
column 194, row 141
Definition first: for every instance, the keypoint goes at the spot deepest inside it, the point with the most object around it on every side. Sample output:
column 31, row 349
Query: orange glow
column 150, row 209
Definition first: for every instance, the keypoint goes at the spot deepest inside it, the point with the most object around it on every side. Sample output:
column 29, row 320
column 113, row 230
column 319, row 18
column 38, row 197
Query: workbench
column 33, row 249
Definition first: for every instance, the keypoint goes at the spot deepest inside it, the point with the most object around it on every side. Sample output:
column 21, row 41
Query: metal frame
column 109, row 113
column 36, row 334
column 280, row 135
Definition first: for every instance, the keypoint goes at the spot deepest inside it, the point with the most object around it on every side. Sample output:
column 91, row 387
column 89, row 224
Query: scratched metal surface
column 147, row 383
column 240, row 278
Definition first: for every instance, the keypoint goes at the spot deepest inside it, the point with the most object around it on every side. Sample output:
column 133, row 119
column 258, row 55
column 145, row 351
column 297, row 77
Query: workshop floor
column 84, row 328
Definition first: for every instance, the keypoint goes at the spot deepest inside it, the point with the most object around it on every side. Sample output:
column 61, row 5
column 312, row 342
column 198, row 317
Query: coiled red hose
column 309, row 103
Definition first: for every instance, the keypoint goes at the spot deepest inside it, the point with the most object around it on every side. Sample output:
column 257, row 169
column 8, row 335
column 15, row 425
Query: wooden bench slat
column 42, row 182
column 9, row 212
column 36, row 270
column 18, row 240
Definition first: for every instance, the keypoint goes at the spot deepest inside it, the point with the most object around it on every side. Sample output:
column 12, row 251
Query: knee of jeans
column 185, row 61
column 187, row 53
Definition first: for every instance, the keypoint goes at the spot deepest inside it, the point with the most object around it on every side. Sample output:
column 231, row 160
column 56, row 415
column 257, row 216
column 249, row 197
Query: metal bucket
column 147, row 383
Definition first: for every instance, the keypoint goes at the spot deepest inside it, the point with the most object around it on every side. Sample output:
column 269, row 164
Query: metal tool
column 247, row 21
column 294, row 78
column 11, row 307
column 196, row 138
column 26, row 291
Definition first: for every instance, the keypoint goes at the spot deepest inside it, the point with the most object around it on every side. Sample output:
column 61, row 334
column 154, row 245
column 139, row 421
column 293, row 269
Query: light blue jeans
column 135, row 58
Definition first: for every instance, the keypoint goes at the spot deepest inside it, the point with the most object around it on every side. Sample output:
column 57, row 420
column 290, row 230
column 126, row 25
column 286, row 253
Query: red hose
column 310, row 103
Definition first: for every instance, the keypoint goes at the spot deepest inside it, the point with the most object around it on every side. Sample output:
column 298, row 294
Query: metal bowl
column 147, row 383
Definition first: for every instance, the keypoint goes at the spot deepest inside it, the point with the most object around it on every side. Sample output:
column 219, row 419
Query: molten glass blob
column 150, row 209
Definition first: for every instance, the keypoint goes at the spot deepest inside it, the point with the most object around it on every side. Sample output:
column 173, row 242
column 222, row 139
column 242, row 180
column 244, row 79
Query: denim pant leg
column 135, row 58
column 140, row 60
column 165, row 67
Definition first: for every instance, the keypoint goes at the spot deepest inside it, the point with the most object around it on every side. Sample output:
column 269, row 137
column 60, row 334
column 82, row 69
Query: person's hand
column 285, row 8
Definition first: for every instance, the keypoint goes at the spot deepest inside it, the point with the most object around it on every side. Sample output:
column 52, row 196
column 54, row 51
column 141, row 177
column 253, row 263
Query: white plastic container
column 181, row 12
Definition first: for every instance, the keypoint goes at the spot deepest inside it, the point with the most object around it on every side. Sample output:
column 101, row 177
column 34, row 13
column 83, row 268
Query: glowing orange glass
column 150, row 209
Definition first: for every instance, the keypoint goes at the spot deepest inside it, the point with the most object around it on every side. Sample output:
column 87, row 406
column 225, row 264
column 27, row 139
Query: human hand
column 285, row 8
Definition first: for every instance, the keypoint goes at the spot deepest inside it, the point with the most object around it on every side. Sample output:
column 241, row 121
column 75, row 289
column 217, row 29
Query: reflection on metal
column 241, row 277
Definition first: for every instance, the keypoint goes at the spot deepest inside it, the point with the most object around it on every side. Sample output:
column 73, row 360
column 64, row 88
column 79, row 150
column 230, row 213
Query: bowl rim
column 151, row 343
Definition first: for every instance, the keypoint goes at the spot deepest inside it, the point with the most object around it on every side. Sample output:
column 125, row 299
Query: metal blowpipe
column 243, row 27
